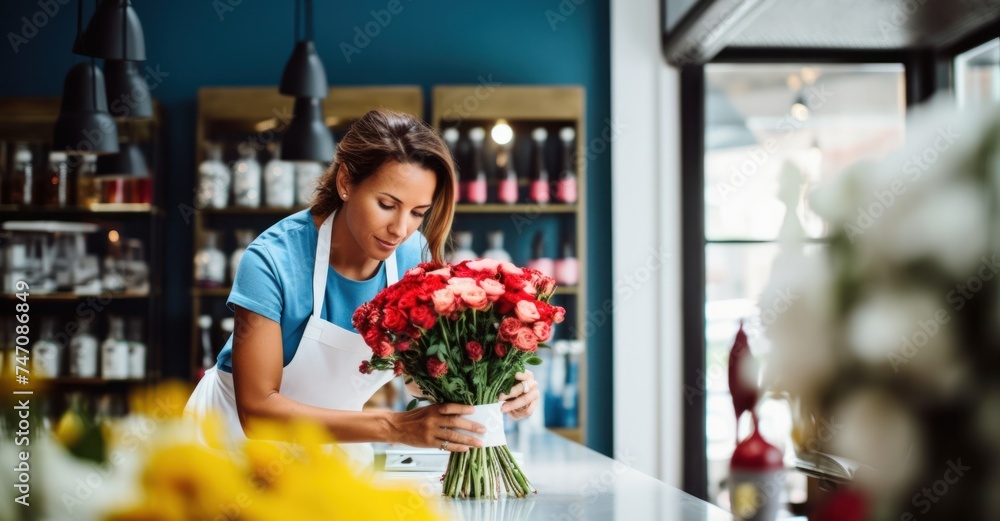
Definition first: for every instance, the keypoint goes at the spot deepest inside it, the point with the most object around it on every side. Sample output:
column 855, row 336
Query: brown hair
column 384, row 135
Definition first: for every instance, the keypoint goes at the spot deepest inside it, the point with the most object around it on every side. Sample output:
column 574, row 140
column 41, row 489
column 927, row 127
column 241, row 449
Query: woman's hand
column 522, row 400
column 431, row 426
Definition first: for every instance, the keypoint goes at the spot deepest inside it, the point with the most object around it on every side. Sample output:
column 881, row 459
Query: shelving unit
column 524, row 107
column 31, row 120
column 236, row 114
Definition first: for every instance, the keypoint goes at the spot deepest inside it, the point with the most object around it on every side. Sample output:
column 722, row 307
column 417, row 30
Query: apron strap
column 322, row 264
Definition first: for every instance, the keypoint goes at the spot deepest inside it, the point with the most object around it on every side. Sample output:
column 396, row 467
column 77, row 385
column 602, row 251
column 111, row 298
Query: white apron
column 323, row 372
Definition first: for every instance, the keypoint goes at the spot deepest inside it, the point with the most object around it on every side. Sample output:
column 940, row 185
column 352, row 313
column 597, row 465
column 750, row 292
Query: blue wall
column 426, row 44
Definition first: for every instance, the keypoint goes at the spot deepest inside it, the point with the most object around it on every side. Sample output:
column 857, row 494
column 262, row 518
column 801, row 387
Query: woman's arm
column 257, row 368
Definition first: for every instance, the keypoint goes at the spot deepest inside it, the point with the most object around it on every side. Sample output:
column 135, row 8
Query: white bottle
column 496, row 250
column 246, row 179
column 279, row 181
column 306, row 177
column 114, row 351
column 136, row 350
column 464, row 251
column 210, row 263
column 207, row 360
column 243, row 240
column 214, row 180
column 83, row 353
column 46, row 354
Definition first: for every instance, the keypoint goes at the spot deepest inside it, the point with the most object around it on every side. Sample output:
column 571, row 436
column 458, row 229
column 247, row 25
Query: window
column 774, row 132
column 977, row 75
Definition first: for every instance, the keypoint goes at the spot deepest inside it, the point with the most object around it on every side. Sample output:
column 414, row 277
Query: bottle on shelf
column 507, row 185
column 538, row 191
column 21, row 179
column 134, row 268
column 451, row 135
column 53, row 186
column 307, row 175
column 210, row 263
column 243, row 240
column 463, row 251
column 83, row 352
column 46, row 353
column 113, row 279
column 207, row 360
column 246, row 179
column 279, row 180
column 115, row 351
column 567, row 268
column 566, row 186
column 539, row 260
column 214, row 180
column 475, row 188
column 87, row 193
column 496, row 250
column 136, row 349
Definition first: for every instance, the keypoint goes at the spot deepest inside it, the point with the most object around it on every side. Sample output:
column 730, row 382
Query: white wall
column 645, row 186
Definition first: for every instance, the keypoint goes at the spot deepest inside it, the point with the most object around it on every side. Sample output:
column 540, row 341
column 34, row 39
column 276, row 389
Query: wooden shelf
column 73, row 297
column 211, row 292
column 264, row 210
column 69, row 381
column 527, row 208
column 572, row 434
column 11, row 212
column 567, row 290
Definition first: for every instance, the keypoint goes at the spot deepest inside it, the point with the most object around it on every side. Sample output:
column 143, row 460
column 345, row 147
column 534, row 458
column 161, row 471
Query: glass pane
column 977, row 75
column 817, row 120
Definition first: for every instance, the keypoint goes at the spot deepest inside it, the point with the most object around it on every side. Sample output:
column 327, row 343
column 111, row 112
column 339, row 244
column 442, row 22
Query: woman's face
column 387, row 207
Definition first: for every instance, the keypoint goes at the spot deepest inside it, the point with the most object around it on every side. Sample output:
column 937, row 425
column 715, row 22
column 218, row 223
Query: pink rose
column 445, row 302
column 543, row 331
column 460, row 282
column 493, row 288
column 527, row 311
column 489, row 266
column 509, row 327
column 415, row 272
column 436, row 368
column 383, row 349
column 529, row 288
column 558, row 314
column 443, row 272
column 475, row 297
column 548, row 285
column 525, row 340
column 500, row 350
column 511, row 269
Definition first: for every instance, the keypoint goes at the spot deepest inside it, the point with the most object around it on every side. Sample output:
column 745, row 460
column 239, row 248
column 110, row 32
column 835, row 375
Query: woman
column 294, row 352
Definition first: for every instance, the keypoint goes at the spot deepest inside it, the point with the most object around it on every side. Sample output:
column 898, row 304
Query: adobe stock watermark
column 925, row 499
column 900, row 17
column 718, row 366
column 223, row 7
column 624, row 290
column 815, row 97
column 566, row 9
column 914, row 168
column 30, row 25
column 363, row 37
column 470, row 104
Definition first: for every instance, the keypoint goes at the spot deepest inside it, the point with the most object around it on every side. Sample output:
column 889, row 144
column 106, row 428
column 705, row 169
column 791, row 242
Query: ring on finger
column 444, row 444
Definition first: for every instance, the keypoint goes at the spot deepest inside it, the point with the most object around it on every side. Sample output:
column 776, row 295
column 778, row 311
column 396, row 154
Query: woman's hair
column 385, row 135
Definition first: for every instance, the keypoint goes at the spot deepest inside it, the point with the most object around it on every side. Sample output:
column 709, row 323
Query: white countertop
column 574, row 483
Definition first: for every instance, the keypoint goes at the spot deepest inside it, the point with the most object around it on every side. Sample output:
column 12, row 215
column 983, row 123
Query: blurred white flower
column 884, row 320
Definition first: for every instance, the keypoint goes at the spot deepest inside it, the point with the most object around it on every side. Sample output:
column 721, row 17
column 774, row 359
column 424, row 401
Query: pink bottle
column 539, row 260
column 566, row 190
column 475, row 189
column 538, row 192
column 567, row 268
column 507, row 187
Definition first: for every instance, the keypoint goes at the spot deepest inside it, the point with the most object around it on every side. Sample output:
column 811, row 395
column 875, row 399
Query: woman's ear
column 343, row 182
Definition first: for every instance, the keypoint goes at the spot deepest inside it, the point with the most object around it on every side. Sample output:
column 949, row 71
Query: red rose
column 508, row 328
column 525, row 340
column 407, row 302
column 500, row 350
column 474, row 350
column 402, row 345
column 383, row 349
column 436, row 368
column 360, row 315
column 366, row 367
column 394, row 320
column 423, row 317
column 372, row 337
column 397, row 368
column 543, row 331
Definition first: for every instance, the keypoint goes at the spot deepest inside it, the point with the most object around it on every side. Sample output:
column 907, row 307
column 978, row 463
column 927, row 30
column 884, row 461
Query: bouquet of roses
column 462, row 332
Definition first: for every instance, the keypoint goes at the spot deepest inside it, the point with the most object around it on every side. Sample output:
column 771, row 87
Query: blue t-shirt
column 274, row 280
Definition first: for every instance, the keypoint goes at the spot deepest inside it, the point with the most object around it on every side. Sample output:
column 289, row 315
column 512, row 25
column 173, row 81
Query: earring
column 345, row 195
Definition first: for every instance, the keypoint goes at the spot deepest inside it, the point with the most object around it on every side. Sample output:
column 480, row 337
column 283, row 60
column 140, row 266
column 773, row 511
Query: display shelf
column 211, row 292
column 76, row 297
column 264, row 210
column 91, row 382
column 524, row 108
column 98, row 211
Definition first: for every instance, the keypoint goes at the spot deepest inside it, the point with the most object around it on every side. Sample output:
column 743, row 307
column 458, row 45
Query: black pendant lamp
column 128, row 92
column 84, row 125
column 114, row 33
column 307, row 137
column 304, row 75
column 130, row 162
